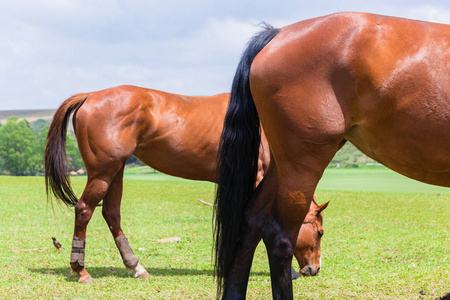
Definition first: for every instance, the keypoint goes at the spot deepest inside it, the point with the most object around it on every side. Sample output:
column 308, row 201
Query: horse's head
column 307, row 249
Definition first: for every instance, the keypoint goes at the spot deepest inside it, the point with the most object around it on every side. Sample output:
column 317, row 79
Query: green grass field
column 383, row 240
column 374, row 179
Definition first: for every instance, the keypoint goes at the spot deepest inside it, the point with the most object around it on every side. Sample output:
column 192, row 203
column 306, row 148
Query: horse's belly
column 420, row 154
column 182, row 164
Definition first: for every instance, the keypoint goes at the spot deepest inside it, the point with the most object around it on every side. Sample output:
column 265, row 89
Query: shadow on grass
column 101, row 272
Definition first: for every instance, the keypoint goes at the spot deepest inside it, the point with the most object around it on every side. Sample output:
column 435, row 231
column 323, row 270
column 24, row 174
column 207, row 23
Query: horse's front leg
column 111, row 213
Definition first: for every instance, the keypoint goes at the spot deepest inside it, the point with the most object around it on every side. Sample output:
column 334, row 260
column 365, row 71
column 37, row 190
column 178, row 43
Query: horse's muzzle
column 310, row 270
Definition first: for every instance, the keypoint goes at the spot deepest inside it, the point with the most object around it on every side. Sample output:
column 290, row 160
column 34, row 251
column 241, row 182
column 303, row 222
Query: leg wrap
column 129, row 259
column 77, row 254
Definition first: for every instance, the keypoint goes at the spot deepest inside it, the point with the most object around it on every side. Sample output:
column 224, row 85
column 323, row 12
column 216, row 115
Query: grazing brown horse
column 382, row 83
column 307, row 248
column 175, row 134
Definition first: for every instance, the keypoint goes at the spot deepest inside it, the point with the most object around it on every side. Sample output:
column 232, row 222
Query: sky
column 52, row 49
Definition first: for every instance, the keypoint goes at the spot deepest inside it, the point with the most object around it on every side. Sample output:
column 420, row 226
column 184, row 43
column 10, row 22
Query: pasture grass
column 374, row 179
column 377, row 245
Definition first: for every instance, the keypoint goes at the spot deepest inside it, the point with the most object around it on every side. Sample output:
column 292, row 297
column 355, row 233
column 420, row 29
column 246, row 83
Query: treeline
column 350, row 157
column 22, row 147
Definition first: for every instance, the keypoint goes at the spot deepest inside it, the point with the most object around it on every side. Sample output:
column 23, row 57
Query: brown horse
column 307, row 248
column 177, row 135
column 381, row 83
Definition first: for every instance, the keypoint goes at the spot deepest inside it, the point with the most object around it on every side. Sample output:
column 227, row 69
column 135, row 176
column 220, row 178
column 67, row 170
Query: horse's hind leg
column 111, row 213
column 281, row 231
column 296, row 185
column 301, row 156
column 235, row 285
column 94, row 192
column 104, row 181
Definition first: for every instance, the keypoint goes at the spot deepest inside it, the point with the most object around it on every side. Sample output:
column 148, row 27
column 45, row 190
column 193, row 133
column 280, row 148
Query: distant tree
column 133, row 160
column 73, row 154
column 41, row 143
column 42, row 140
column 38, row 125
column 351, row 156
column 18, row 148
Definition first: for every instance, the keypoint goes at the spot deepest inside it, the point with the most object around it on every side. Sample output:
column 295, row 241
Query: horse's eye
column 320, row 233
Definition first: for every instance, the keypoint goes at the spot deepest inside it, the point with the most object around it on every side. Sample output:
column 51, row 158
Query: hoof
column 140, row 272
column 143, row 275
column 86, row 280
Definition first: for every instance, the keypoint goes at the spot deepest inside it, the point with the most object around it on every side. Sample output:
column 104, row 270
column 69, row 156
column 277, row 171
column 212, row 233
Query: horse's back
column 186, row 137
column 175, row 134
column 380, row 82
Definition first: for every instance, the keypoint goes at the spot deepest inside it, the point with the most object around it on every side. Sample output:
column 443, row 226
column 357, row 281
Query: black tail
column 55, row 159
column 238, row 160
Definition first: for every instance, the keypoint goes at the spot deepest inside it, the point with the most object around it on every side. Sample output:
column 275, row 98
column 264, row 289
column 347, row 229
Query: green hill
column 350, row 157
column 30, row 115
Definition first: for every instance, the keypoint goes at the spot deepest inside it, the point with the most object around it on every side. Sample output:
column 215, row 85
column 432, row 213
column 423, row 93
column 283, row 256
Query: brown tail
column 55, row 160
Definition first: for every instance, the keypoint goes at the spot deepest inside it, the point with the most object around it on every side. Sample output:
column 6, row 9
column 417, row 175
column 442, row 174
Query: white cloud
column 216, row 42
column 429, row 13
column 51, row 49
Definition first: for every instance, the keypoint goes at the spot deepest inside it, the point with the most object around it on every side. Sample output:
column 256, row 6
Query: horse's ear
column 323, row 206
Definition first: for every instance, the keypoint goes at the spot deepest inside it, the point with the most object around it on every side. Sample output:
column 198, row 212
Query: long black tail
column 237, row 160
column 55, row 159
